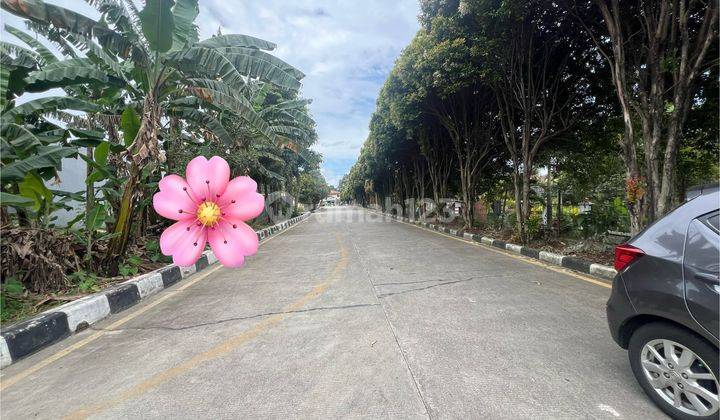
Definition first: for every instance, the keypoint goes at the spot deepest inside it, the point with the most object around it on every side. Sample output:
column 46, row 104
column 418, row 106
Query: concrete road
column 346, row 315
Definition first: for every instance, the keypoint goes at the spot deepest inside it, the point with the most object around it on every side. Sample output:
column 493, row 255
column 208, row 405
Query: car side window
column 712, row 220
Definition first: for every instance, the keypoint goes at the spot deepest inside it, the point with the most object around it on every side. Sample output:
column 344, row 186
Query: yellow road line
column 82, row 343
column 517, row 257
column 219, row 350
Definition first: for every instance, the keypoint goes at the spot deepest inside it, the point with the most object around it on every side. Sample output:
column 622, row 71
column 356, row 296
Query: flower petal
column 208, row 178
column 176, row 185
column 231, row 241
column 241, row 234
column 188, row 249
column 226, row 254
column 226, row 251
column 174, row 233
column 237, row 188
column 168, row 205
column 246, row 207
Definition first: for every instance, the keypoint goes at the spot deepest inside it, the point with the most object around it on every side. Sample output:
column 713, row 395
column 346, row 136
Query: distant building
column 333, row 199
column 585, row 207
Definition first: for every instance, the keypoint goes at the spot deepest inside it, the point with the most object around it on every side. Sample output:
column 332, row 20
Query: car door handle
column 708, row 278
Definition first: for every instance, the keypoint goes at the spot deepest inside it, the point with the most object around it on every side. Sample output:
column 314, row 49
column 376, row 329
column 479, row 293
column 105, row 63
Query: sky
column 346, row 48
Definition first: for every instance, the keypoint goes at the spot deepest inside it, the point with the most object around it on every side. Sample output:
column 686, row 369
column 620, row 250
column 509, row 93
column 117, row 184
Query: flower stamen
column 188, row 194
column 208, row 213
column 226, row 205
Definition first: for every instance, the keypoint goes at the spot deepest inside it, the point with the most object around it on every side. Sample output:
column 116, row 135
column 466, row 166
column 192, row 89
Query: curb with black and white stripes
column 566, row 261
column 24, row 338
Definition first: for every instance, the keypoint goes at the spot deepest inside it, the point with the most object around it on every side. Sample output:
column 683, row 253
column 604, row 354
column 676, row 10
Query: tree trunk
column 639, row 67
column 502, row 209
column 118, row 244
column 652, row 183
column 526, row 206
column 466, row 187
column 559, row 211
column 520, row 222
column 89, row 203
column 548, row 209
column 144, row 149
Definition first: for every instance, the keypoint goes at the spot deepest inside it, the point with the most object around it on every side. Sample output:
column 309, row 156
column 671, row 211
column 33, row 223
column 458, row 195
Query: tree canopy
column 491, row 95
column 151, row 95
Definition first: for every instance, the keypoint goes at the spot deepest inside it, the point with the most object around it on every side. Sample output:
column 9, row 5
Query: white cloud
column 346, row 48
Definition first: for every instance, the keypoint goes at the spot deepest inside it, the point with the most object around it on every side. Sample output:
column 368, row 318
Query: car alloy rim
column 680, row 377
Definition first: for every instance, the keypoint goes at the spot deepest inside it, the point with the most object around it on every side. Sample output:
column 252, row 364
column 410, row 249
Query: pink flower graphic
column 208, row 207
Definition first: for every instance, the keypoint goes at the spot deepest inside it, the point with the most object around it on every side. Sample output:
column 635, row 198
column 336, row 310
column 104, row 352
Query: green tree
column 659, row 53
column 156, row 52
column 313, row 188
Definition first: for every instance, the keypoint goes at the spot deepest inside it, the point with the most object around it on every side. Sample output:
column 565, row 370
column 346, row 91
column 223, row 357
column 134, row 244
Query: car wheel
column 677, row 369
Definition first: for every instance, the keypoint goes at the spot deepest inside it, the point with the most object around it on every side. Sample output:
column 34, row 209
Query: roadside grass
column 18, row 303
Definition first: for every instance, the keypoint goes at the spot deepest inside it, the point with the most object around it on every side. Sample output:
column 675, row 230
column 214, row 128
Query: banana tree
column 154, row 53
column 32, row 147
column 274, row 165
column 32, row 150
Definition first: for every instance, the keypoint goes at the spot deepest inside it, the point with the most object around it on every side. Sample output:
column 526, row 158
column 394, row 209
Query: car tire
column 651, row 332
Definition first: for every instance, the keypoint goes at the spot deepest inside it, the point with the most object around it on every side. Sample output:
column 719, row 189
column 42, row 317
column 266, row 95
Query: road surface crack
column 440, row 283
column 233, row 319
column 369, row 278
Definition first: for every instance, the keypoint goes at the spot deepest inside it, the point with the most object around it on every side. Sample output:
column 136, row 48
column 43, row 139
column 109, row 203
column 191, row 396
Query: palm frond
column 45, row 54
column 237, row 40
